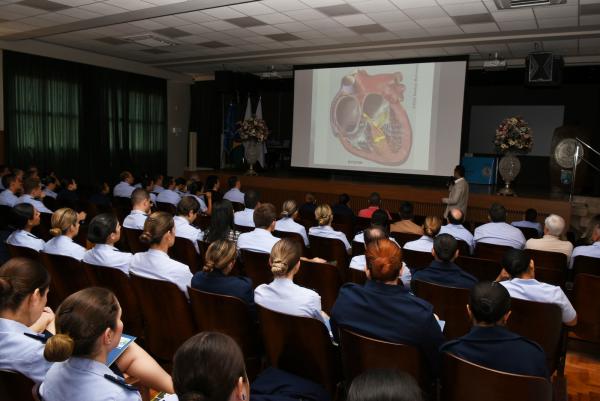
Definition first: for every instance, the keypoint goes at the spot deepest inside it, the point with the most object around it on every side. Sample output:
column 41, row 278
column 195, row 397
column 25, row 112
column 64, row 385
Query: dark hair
column 194, row 187
column 445, row 246
column 380, row 218
column 454, row 220
column 460, row 170
column 531, row 215
column 497, row 213
column 47, row 180
column 30, row 184
column 186, row 205
column 20, row 277
column 146, row 181
column 65, row 182
column 374, row 199
column 373, row 234
column 8, row 179
column 20, row 214
column 384, row 260
column 384, row 385
column 344, row 199
column 156, row 226
column 406, row 210
column 264, row 215
column 139, row 195
column 251, row 198
column 489, row 301
column 232, row 181
column 124, row 175
column 219, row 255
column 221, row 221
column 180, row 181
column 211, row 180
column 207, row 367
column 515, row 262
column 80, row 320
column 101, row 227
column 168, row 181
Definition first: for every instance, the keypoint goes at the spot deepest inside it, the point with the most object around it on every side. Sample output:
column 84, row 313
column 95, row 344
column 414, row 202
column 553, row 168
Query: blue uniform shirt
column 445, row 273
column 65, row 246
column 25, row 239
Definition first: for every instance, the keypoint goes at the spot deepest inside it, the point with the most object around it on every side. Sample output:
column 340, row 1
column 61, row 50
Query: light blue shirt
column 168, row 196
column 183, row 229
column 244, row 218
column 360, row 237
column 25, row 239
column 84, row 379
column 329, row 232
column 50, row 193
column 20, row 353
column 135, row 220
column 7, row 198
column 460, row 233
column 500, row 234
column 157, row 189
column 533, row 290
column 259, row 240
column 108, row 256
column 123, row 190
column 158, row 265
column 63, row 245
column 423, row 244
column 203, row 207
column 40, row 207
column 288, row 225
column 234, row 195
column 586, row 250
column 529, row 224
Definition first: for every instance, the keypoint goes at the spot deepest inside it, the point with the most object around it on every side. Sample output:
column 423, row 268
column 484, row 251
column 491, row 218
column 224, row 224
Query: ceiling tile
column 75, row 3
column 219, row 25
column 354, row 20
column 285, row 5
column 513, row 15
column 466, row 9
column 425, row 12
column 375, row 6
column 480, row 28
column 322, row 3
column 407, row 4
column 171, row 21
column 589, row 9
column 338, row 10
column 274, row 18
column 558, row 11
column 15, row 11
column 213, row 44
column 547, row 23
column 172, row 32
column 372, row 28
column 436, row 22
column 445, row 30
column 43, row 5
column 401, row 25
column 283, row 37
column 112, row 41
column 39, row 22
column 453, row 2
column 245, row 22
column 194, row 29
column 309, row 34
column 473, row 19
column 104, row 9
column 305, row 14
column 196, row 16
column 252, row 9
column 129, row 4
column 79, row 13
column 264, row 30
column 379, row 36
column 391, row 16
column 521, row 25
column 224, row 13
column 148, row 24
column 292, row 27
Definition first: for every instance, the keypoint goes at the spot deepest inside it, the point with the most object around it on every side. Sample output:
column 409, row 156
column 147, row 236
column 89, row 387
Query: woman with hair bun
column 64, row 227
column 282, row 294
column 89, row 326
column 324, row 217
column 105, row 231
column 23, row 217
column 24, row 315
column 431, row 228
column 159, row 234
column 287, row 223
column 385, row 310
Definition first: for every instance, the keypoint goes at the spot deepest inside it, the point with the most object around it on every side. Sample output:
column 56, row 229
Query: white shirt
column 84, row 379
column 135, row 219
column 21, row 353
column 63, row 245
column 203, row 207
column 423, row 244
column 25, row 239
column 168, row 196
column 586, row 250
column 500, row 234
column 259, row 240
column 7, row 198
column 123, row 190
column 360, row 237
column 50, row 193
column 550, row 243
column 359, row 262
column 460, row 233
column 529, row 224
column 234, row 195
column 288, row 225
column 157, row 265
column 244, row 218
column 108, row 256
column 329, row 232
column 533, row 290
column 157, row 189
column 40, row 207
column 184, row 229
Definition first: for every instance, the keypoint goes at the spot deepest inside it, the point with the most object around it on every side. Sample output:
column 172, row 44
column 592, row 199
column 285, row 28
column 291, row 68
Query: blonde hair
column 284, row 256
column 323, row 214
column 62, row 220
column 289, row 208
column 156, row 226
column 219, row 254
column 432, row 226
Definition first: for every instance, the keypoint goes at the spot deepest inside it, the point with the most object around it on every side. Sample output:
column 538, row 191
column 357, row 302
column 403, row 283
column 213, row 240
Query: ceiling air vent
column 150, row 40
column 507, row 4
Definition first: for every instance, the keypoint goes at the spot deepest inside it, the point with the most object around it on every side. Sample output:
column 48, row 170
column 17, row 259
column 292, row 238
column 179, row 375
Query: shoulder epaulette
column 40, row 337
column 120, row 382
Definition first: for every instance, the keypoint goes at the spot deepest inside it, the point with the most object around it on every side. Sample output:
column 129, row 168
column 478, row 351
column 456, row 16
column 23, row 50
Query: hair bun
column 284, row 214
column 146, row 237
column 208, row 266
column 279, row 266
column 5, row 286
column 55, row 232
column 59, row 348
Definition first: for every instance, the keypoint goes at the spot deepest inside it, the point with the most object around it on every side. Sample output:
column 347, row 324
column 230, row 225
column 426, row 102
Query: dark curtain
column 206, row 118
column 83, row 121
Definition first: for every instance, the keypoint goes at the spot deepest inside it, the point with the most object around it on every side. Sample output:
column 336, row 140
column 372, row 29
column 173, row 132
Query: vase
column 509, row 168
column 251, row 153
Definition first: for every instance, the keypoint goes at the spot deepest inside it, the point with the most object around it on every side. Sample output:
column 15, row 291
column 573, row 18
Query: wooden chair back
column 244, row 229
column 416, row 260
column 403, row 238
column 344, row 223
column 529, row 232
column 482, row 269
column 43, row 229
column 294, row 236
column 542, row 323
column 202, row 221
column 549, row 260
column 122, row 207
column 358, row 248
column 68, row 274
column 356, row 276
column 587, row 307
column 490, row 251
column 466, row 381
column 463, row 248
column 4, row 216
column 50, row 203
column 449, row 303
column 361, row 223
column 133, row 240
column 15, row 386
column 256, row 266
column 587, row 265
column 118, row 282
column 166, row 207
column 330, row 249
column 300, row 345
column 237, row 206
column 22, row 252
column 167, row 315
column 183, row 251
column 324, row 278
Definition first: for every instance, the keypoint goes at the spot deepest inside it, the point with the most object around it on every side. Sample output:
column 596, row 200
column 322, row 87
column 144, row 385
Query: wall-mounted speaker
column 543, row 68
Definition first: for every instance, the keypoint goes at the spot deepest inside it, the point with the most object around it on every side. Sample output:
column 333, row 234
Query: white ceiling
column 255, row 35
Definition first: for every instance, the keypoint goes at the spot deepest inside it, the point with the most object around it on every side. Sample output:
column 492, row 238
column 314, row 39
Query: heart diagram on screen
column 368, row 118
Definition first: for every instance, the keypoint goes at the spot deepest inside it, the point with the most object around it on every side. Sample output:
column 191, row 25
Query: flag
column 259, row 109
column 229, row 127
column 248, row 113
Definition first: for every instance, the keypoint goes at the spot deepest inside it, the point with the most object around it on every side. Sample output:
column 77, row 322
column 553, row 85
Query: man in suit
column 459, row 192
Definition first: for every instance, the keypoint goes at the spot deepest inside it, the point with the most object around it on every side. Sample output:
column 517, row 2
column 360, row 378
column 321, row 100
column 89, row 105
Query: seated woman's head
column 210, row 367
column 22, row 216
column 64, row 222
column 221, row 221
column 432, row 226
column 104, row 228
column 323, row 214
column 289, row 209
column 384, row 260
column 384, row 385
column 220, row 255
column 88, row 324
column 489, row 304
column 285, row 257
column 158, row 226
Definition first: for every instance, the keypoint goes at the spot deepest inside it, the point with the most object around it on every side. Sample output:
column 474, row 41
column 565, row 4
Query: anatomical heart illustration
column 368, row 118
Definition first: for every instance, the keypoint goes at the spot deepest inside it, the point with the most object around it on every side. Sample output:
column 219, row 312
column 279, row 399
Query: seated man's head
column 12, row 183
column 234, row 182
column 384, row 261
column 140, row 200
column 379, row 218
column 489, row 304
column 531, row 215
column 309, row 197
column 374, row 199
column 459, row 171
column 189, row 208
column 554, row 225
column 456, row 217
column 181, row 184
column 373, row 234
column 344, row 199
column 445, row 248
column 406, row 211
column 127, row 177
column 32, row 186
column 432, row 226
column 158, row 180
column 169, row 182
column 517, row 263
column 265, row 216
column 384, row 385
column 251, row 199
column 497, row 213
column 592, row 233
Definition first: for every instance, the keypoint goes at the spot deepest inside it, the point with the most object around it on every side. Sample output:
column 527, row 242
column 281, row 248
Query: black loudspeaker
column 543, row 68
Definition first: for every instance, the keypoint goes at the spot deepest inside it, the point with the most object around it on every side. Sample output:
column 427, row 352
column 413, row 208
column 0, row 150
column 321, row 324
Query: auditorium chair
column 529, row 232
column 403, row 238
column 294, row 236
column 324, row 278
column 122, row 207
column 237, row 206
column 167, row 315
column 358, row 248
column 482, row 269
column 356, row 276
column 256, row 267
column 466, row 381
column 4, row 216
column 133, row 239
column 15, row 386
column 416, row 260
column 68, row 275
column 587, row 304
column 463, row 248
column 586, row 264
column 495, row 252
column 306, row 218
column 344, row 223
column 22, row 251
column 202, row 221
column 330, row 249
column 300, row 345
column 244, row 229
column 43, row 229
column 50, row 203
column 361, row 224
column 118, row 282
column 449, row 303
column 183, row 251
column 542, row 323
column 550, row 267
column 166, row 207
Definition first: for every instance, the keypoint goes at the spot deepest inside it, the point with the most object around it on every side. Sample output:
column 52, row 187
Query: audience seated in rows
column 490, row 343
column 221, row 223
column 518, row 276
column 554, row 227
column 195, row 190
column 341, row 208
column 32, row 190
column 105, row 231
column 287, row 223
column 168, row 195
column 64, row 227
column 245, row 217
column 187, row 211
column 158, row 184
column 385, row 310
column 593, row 238
column 140, row 201
column 50, row 185
column 23, row 217
column 406, row 224
column 530, row 221
column 124, row 188
column 13, row 185
column 324, row 217
column 234, row 194
column 431, row 228
column 498, row 232
column 374, row 204
column 261, row 238
column 384, row 385
column 455, row 227
column 443, row 270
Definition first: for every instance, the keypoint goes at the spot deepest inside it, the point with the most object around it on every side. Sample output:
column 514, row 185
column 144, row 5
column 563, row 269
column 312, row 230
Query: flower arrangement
column 514, row 135
column 253, row 129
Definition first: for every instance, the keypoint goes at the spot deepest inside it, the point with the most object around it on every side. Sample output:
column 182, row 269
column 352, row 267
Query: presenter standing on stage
column 459, row 192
